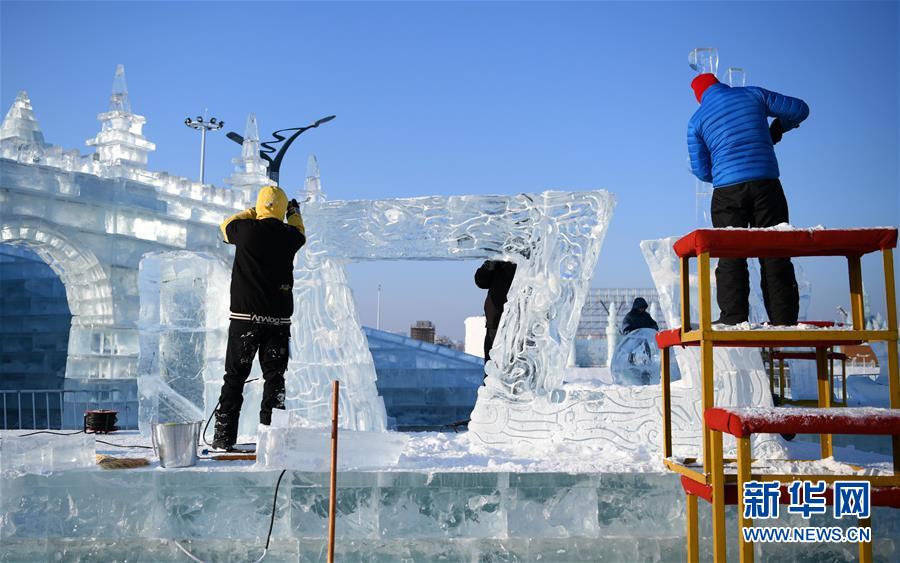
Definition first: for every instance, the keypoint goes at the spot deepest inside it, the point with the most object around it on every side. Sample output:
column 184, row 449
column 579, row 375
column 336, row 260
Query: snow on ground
column 865, row 391
column 434, row 452
column 767, row 327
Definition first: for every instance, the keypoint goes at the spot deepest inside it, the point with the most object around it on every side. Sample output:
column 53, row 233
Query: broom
column 112, row 462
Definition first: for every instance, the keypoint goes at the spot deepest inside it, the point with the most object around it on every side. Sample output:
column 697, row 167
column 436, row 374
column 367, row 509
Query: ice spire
column 120, row 140
column 119, row 99
column 250, row 146
column 313, row 183
column 20, row 122
column 250, row 168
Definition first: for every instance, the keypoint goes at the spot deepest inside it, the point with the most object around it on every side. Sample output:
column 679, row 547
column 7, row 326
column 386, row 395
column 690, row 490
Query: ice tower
column 250, row 170
column 20, row 124
column 120, row 140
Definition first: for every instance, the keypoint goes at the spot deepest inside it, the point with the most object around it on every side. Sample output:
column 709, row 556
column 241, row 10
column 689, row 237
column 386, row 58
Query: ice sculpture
column 554, row 237
column 91, row 218
column 635, row 360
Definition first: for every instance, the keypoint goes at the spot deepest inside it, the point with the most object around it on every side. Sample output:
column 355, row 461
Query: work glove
column 776, row 131
column 293, row 207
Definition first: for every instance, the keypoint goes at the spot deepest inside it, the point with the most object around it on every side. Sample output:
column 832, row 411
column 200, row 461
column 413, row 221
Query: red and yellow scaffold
column 710, row 480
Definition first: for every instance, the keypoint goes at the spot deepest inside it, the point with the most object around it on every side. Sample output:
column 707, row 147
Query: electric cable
column 83, row 432
column 126, row 445
column 268, row 534
column 51, row 432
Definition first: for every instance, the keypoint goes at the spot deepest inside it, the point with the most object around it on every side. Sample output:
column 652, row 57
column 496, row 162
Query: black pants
column 245, row 339
column 760, row 203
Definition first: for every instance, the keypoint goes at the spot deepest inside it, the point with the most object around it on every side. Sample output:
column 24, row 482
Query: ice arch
column 88, row 289
column 554, row 237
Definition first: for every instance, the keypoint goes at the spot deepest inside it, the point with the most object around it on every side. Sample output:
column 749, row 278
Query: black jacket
column 638, row 317
column 495, row 276
column 262, row 278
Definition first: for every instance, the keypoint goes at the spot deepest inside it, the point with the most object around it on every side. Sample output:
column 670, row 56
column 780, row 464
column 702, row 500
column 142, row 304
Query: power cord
column 268, row 535
column 83, row 432
column 51, row 432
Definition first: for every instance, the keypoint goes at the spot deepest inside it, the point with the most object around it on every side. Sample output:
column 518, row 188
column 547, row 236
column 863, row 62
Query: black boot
column 226, row 431
column 273, row 399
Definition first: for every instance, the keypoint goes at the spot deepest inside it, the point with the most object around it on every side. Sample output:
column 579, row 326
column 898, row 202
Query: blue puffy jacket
column 728, row 136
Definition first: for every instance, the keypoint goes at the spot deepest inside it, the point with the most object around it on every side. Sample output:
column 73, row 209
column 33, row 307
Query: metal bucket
column 175, row 443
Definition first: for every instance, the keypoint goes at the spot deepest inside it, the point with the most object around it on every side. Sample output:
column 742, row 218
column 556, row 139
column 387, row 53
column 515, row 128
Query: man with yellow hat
column 262, row 281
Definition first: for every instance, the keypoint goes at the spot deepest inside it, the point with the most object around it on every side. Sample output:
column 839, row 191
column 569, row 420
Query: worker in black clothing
column 638, row 317
column 495, row 276
column 262, row 302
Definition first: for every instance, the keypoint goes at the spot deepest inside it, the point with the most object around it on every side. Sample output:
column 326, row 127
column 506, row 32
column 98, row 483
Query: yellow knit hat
column 271, row 202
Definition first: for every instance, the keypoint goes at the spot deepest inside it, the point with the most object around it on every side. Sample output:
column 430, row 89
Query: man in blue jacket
column 731, row 145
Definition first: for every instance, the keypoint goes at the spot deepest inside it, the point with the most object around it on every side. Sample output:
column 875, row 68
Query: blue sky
column 457, row 98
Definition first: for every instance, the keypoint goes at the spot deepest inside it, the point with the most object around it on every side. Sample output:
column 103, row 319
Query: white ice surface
column 433, row 452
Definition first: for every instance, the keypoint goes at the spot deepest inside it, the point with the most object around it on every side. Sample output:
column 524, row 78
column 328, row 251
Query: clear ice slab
column 309, row 449
column 183, row 336
column 44, row 454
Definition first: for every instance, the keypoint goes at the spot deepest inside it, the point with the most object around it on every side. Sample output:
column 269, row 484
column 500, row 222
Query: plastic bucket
column 175, row 443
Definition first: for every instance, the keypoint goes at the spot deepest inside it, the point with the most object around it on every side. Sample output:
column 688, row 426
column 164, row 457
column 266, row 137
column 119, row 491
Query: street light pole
column 378, row 313
column 203, row 126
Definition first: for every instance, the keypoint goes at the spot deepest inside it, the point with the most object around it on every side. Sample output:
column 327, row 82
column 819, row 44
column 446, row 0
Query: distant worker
column 731, row 145
column 495, row 276
column 638, row 317
column 262, row 303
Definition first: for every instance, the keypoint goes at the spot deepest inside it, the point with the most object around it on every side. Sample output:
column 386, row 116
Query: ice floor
column 444, row 501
